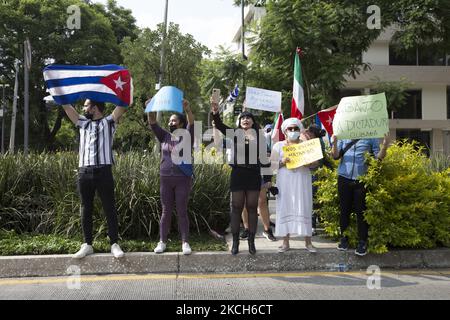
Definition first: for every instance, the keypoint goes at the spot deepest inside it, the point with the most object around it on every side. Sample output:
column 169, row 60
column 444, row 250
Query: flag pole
column 26, row 115
column 12, row 135
column 163, row 56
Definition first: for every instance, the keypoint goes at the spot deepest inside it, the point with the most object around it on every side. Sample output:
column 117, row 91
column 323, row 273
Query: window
column 398, row 57
column 413, row 106
column 423, row 56
column 350, row 93
column 431, row 56
column 423, row 137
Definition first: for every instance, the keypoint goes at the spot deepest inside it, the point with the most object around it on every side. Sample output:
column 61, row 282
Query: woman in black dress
column 245, row 181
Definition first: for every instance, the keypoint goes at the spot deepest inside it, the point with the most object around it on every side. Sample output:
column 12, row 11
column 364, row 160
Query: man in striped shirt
column 95, row 170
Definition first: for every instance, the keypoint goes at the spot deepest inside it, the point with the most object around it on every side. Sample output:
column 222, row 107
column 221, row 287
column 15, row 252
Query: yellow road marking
column 87, row 278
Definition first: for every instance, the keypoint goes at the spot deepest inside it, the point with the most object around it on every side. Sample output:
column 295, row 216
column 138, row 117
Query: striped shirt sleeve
column 82, row 122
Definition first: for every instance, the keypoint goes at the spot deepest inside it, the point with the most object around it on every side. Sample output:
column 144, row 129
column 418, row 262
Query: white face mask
column 293, row 135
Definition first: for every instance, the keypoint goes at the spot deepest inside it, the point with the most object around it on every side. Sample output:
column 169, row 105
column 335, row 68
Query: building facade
column 426, row 115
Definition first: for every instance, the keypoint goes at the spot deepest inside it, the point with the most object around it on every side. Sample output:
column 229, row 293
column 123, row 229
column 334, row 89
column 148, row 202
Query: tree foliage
column 142, row 56
column 44, row 23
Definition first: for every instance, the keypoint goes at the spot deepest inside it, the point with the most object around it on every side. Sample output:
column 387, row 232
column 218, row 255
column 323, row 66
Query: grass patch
column 12, row 244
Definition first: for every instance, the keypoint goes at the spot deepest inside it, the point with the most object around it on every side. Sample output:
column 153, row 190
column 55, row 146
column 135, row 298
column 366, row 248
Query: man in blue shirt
column 351, row 191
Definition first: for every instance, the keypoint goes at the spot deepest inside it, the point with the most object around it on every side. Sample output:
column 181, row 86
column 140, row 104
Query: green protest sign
column 361, row 117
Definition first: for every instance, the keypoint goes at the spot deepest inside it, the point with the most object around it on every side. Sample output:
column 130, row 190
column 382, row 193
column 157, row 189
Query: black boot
column 235, row 247
column 251, row 243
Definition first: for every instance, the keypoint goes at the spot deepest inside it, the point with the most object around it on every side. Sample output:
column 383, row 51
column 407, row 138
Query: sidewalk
column 266, row 259
column 261, row 243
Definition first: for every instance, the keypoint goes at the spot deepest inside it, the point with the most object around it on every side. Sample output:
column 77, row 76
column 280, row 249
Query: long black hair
column 250, row 115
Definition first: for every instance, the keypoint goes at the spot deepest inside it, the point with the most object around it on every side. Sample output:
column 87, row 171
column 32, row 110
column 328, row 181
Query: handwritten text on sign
column 261, row 99
column 303, row 153
column 361, row 117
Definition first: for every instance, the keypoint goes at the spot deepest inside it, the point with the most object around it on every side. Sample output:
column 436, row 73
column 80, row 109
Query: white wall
column 378, row 54
column 434, row 102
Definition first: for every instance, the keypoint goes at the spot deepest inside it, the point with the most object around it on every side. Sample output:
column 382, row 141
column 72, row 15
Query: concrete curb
column 218, row 262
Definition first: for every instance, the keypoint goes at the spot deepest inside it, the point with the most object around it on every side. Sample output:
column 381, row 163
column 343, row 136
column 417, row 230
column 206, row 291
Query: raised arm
column 188, row 112
column 382, row 153
column 71, row 113
column 151, row 118
column 118, row 113
column 217, row 120
column 159, row 132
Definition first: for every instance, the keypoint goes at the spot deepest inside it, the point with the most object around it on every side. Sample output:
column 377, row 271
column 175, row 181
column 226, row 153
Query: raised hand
column 151, row 117
column 214, row 106
column 186, row 106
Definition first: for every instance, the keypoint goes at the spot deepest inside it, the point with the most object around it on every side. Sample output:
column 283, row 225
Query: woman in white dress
column 294, row 199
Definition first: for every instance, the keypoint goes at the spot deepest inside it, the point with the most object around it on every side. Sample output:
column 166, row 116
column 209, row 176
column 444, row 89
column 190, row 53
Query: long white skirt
column 294, row 202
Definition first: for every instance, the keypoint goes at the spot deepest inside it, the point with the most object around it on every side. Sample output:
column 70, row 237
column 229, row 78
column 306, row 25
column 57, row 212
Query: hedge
column 408, row 203
column 38, row 194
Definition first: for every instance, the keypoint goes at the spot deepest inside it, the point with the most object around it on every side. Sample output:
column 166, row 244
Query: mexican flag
column 277, row 134
column 298, row 99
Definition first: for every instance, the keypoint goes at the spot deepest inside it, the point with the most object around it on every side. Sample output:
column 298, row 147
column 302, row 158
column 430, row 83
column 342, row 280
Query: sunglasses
column 293, row 129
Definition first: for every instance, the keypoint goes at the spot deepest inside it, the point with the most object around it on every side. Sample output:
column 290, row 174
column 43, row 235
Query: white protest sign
column 262, row 99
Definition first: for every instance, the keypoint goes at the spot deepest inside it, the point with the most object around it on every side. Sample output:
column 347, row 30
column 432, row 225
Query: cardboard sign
column 361, row 117
column 261, row 99
column 303, row 153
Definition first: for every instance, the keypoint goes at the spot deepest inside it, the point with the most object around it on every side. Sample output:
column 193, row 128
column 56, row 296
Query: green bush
column 12, row 243
column 439, row 162
column 408, row 203
column 38, row 194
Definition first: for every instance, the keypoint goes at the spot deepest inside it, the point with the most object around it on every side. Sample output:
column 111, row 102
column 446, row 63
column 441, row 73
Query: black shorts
column 243, row 179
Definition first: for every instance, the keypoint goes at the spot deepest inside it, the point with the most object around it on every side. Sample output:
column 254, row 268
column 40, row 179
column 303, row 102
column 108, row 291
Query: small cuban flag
column 108, row 83
column 233, row 94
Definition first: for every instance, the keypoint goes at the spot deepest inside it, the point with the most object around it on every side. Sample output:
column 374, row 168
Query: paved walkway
column 261, row 243
column 389, row 285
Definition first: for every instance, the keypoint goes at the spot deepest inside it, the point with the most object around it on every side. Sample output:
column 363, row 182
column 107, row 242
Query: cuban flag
column 326, row 117
column 109, row 83
column 233, row 94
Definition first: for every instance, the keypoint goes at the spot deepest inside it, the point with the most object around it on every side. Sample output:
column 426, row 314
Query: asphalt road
column 390, row 285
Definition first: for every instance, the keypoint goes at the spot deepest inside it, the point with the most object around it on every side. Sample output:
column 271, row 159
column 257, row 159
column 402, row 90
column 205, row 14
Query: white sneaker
column 160, row 248
column 84, row 251
column 311, row 248
column 116, row 251
column 186, row 248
